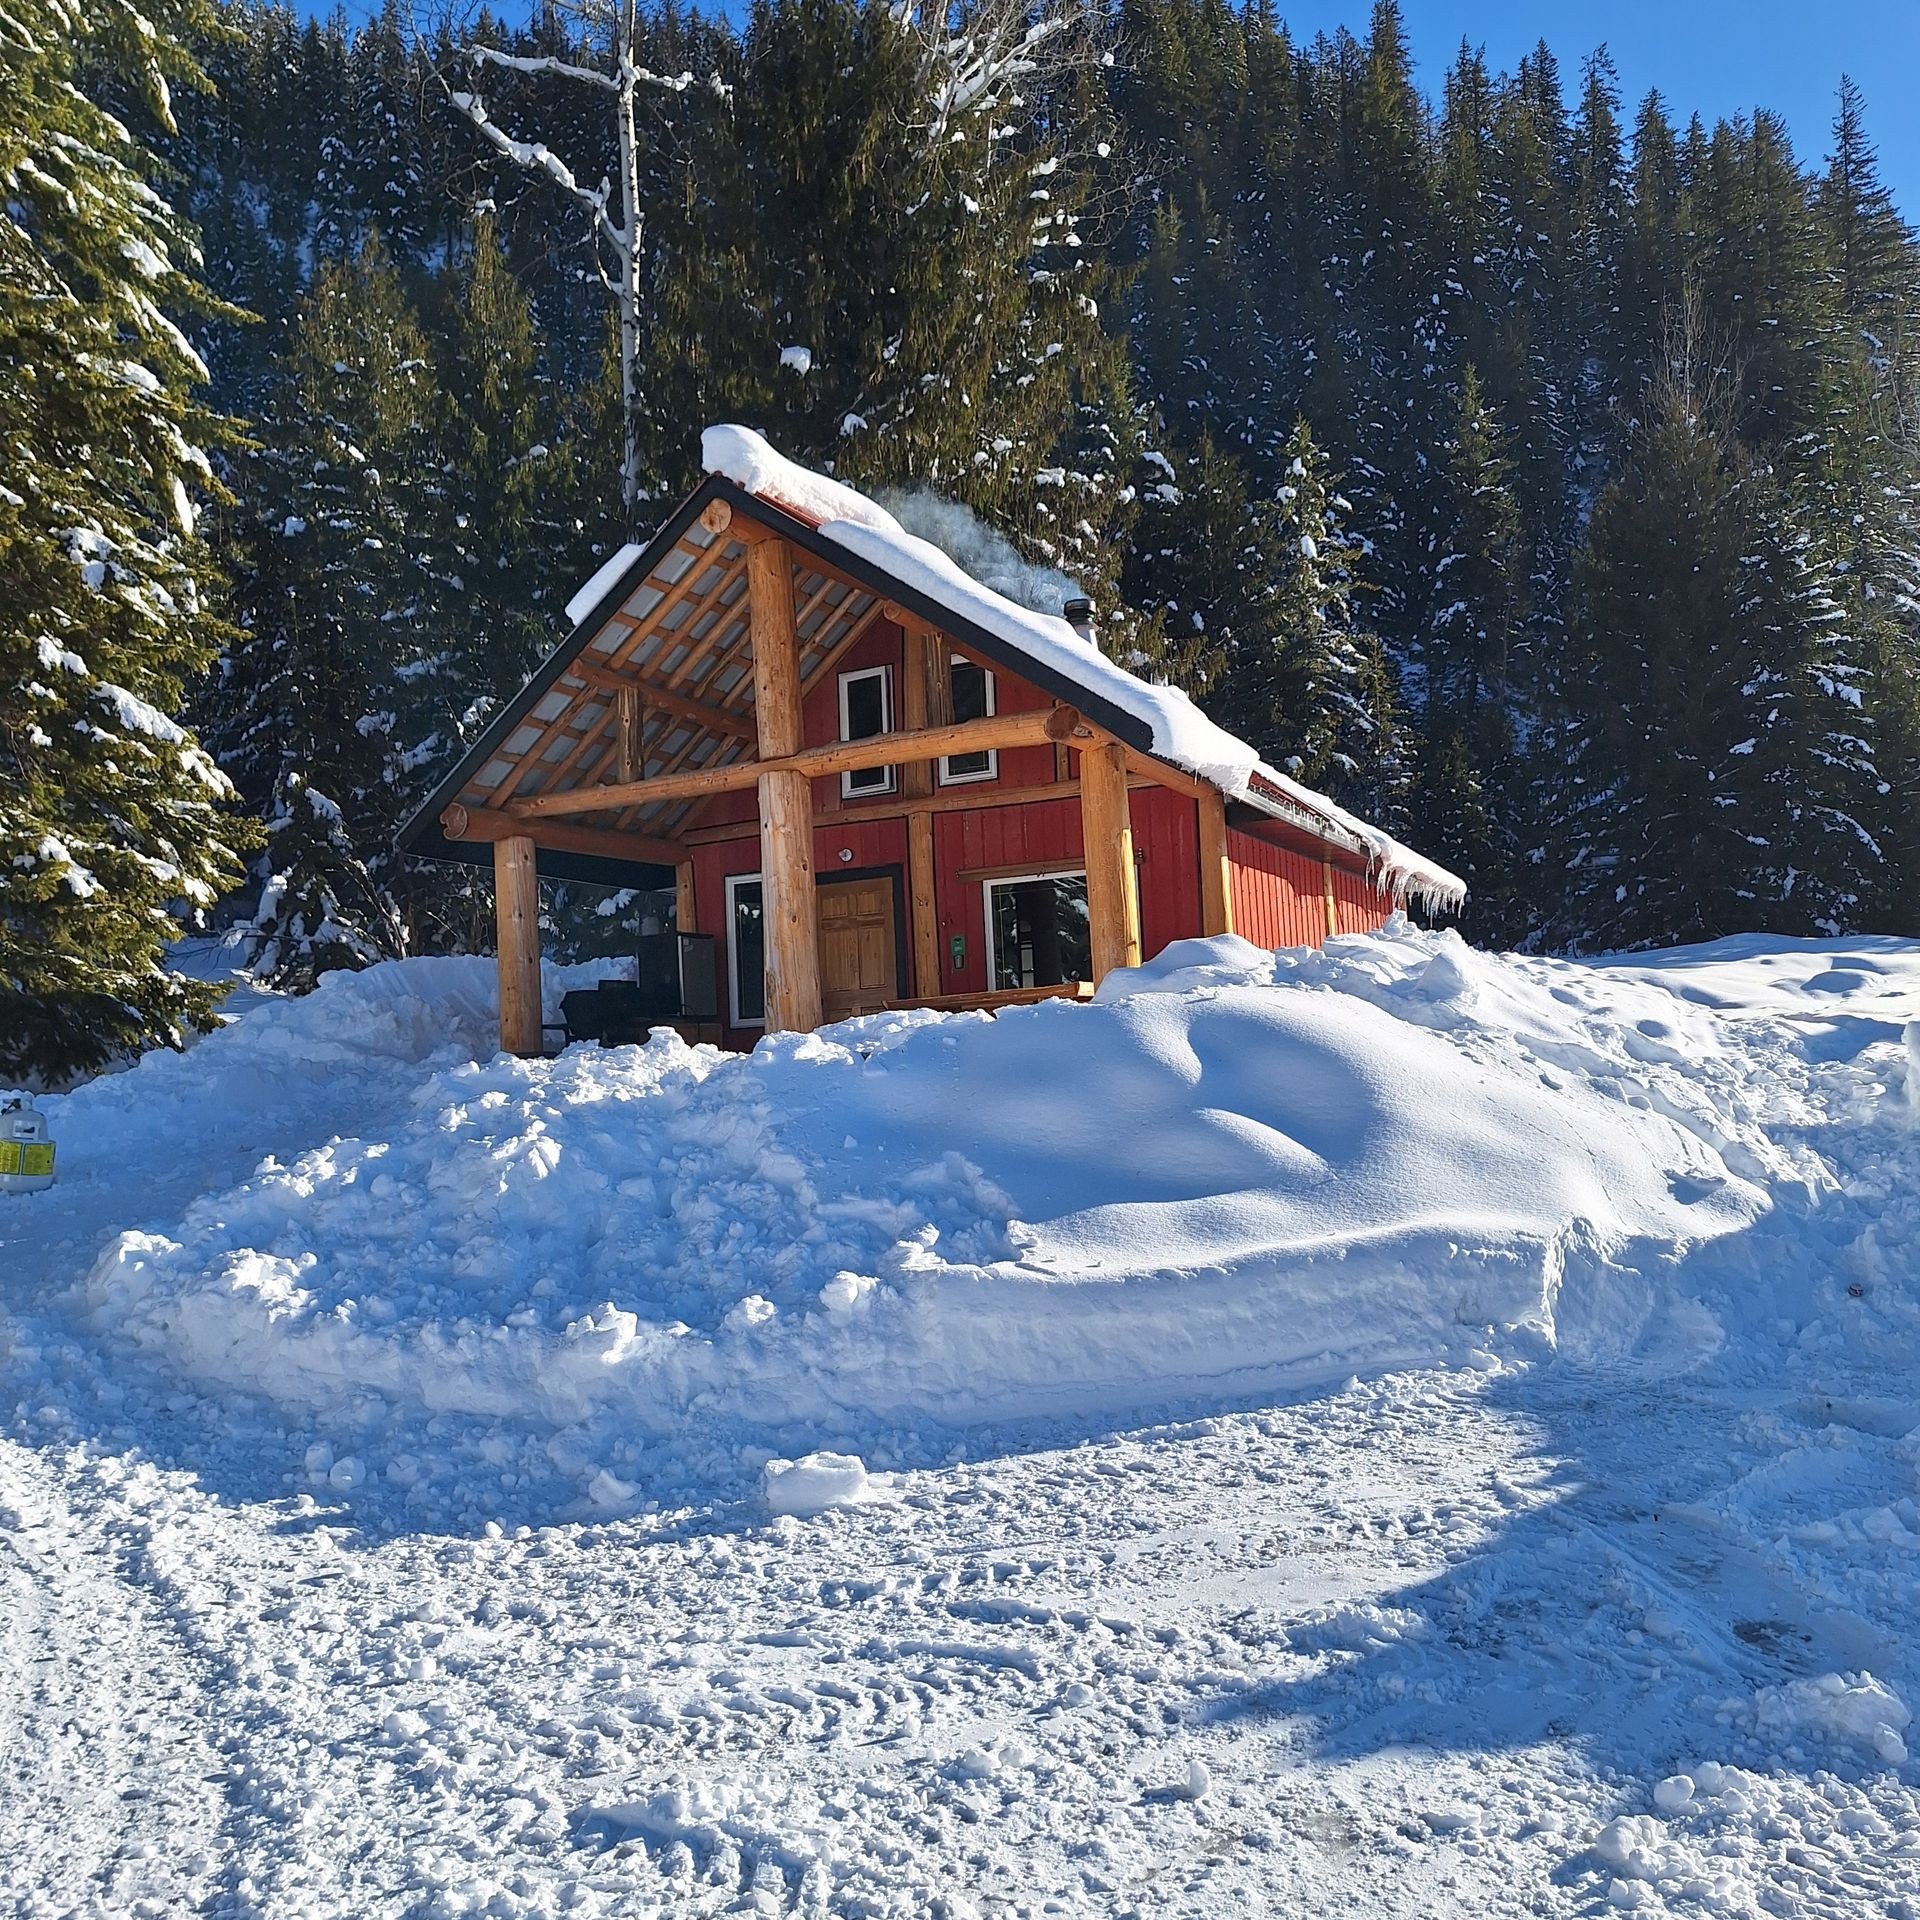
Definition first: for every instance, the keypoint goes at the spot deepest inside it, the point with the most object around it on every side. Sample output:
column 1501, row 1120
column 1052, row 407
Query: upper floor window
column 866, row 708
column 972, row 700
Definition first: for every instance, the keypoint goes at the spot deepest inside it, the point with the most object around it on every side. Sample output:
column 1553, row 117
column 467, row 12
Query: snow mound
column 1851, row 1709
column 804, row 1488
column 574, row 1285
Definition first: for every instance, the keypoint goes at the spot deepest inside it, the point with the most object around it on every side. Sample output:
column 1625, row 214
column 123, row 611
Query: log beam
column 1143, row 766
column 1113, row 899
column 1030, row 729
column 967, row 799
column 702, row 713
column 788, row 906
column 516, row 905
column 486, row 824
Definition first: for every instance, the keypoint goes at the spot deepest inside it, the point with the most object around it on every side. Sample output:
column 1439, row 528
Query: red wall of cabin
column 1279, row 894
column 1359, row 906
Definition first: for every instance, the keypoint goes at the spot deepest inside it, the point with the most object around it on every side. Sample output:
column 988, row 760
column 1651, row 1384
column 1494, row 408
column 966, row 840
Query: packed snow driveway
column 1393, row 1430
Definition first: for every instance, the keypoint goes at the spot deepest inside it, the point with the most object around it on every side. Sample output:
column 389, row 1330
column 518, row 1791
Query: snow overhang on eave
column 955, row 623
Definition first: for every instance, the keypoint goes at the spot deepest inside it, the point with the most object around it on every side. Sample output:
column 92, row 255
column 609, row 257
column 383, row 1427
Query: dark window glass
column 969, row 684
column 749, row 951
column 863, row 703
column 866, row 707
column 1040, row 934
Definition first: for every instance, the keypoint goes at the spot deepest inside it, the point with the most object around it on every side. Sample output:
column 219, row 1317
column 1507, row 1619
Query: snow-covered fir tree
column 1722, row 776
column 1472, row 675
column 339, row 705
column 115, row 830
column 1324, row 705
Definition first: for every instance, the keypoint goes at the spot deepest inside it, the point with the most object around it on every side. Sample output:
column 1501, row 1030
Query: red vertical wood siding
column 1359, row 906
column 1166, row 844
column 1278, row 895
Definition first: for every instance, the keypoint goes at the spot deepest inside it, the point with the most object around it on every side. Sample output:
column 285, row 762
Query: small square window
column 866, row 709
column 972, row 688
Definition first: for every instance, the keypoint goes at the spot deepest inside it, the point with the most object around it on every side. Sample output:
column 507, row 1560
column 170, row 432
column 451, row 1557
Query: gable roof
column 674, row 608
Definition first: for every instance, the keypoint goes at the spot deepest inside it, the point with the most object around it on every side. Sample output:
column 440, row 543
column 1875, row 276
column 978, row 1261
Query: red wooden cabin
column 875, row 782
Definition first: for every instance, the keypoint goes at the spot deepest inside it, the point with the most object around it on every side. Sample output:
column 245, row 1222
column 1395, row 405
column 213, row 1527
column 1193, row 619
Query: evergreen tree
column 1475, row 634
column 114, row 832
column 1864, row 480
column 1471, row 666
column 1320, row 701
column 339, row 707
column 509, row 481
column 1722, row 774
column 1206, row 563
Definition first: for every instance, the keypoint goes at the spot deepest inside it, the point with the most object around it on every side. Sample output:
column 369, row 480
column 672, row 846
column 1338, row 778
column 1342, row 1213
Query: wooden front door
column 859, row 946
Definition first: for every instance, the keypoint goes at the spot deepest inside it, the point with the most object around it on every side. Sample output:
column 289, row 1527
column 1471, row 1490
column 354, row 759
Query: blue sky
column 1716, row 56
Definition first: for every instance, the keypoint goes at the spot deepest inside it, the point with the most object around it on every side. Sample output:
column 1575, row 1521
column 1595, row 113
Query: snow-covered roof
column 1182, row 735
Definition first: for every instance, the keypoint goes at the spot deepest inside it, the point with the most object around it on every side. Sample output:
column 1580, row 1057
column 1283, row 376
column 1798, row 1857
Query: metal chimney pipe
column 1078, row 614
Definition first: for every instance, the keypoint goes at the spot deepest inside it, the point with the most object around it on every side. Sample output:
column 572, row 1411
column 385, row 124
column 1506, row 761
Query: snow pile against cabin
column 1182, row 734
column 605, row 1277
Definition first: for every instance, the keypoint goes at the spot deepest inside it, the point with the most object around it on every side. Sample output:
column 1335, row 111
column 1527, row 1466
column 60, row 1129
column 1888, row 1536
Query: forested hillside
column 1535, row 472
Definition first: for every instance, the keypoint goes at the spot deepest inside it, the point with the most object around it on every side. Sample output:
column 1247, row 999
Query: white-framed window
column 866, row 708
column 746, row 951
column 1037, row 930
column 972, row 688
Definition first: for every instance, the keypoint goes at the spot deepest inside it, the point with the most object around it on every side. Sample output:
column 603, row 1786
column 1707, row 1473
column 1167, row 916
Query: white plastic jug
column 26, row 1147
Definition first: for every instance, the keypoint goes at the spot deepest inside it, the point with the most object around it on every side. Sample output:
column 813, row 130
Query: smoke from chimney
column 988, row 556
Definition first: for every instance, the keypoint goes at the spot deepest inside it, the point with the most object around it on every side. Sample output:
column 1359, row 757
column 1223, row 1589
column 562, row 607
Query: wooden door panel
column 859, row 946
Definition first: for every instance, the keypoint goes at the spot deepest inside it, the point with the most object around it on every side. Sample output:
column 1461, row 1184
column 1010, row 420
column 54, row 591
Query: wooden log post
column 1216, row 870
column 1113, row 900
column 1333, row 910
column 786, row 797
column 923, row 904
column 917, row 783
column 516, row 905
column 683, row 909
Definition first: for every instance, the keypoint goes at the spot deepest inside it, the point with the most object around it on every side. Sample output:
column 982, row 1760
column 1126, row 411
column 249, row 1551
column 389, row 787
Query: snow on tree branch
column 973, row 66
column 536, row 157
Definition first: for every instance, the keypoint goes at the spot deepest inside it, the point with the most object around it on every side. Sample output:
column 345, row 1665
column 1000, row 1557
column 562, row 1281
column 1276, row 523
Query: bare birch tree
column 614, row 213
column 974, row 60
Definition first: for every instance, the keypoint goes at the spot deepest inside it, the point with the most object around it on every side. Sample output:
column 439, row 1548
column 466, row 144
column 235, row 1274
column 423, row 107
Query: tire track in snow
column 112, row 1786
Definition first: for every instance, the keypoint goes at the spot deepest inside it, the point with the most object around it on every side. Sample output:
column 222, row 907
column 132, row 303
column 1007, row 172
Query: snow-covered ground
column 1389, row 1431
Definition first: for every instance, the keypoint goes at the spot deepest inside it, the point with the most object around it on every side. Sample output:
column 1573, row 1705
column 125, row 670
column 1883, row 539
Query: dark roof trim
column 1298, row 832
